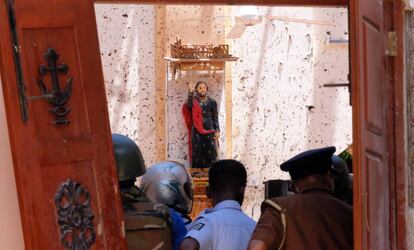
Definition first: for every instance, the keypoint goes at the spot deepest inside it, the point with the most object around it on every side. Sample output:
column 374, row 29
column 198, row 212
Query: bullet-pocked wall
column 409, row 90
column 126, row 40
column 280, row 106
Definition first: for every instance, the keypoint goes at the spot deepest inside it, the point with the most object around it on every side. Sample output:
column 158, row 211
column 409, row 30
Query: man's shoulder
column 200, row 217
column 200, row 220
column 281, row 200
column 241, row 217
column 143, row 204
column 326, row 200
column 228, row 216
column 200, row 229
column 249, row 221
column 210, row 214
column 132, row 203
column 338, row 204
column 302, row 201
column 283, row 203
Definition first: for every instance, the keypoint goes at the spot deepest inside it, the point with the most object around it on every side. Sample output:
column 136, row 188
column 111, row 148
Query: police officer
column 225, row 227
column 313, row 218
column 148, row 225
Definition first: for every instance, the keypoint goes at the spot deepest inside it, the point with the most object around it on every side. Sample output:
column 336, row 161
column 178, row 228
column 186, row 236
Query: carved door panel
column 60, row 138
column 372, row 106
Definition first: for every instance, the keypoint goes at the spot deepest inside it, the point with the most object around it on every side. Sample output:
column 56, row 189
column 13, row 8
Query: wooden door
column 372, row 106
column 62, row 153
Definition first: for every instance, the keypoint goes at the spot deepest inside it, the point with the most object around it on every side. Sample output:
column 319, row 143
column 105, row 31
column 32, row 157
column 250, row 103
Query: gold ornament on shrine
column 198, row 57
column 199, row 51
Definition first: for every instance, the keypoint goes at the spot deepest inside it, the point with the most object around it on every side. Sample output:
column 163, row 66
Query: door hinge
column 392, row 45
column 16, row 57
column 56, row 96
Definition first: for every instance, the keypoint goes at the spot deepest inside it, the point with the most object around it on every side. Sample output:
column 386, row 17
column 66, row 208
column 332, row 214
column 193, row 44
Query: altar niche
column 201, row 69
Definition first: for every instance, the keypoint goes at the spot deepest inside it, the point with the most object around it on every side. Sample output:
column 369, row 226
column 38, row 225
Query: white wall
column 280, row 73
column 409, row 115
column 11, row 236
column 126, row 35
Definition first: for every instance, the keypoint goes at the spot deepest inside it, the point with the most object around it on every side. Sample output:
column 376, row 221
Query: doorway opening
column 285, row 94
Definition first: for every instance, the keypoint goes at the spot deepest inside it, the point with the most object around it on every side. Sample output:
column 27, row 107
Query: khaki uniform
column 315, row 220
column 147, row 226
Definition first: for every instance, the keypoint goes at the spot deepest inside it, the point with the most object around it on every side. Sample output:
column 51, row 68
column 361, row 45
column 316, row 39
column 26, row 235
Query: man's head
column 201, row 88
column 129, row 161
column 227, row 181
column 310, row 166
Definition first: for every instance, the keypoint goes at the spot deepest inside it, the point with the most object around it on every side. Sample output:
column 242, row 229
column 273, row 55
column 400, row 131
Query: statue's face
column 202, row 89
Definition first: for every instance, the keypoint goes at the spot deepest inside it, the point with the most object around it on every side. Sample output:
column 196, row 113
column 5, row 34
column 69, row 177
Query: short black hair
column 227, row 175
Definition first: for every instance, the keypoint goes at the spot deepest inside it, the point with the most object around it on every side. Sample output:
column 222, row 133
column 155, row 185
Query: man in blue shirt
column 225, row 226
column 178, row 228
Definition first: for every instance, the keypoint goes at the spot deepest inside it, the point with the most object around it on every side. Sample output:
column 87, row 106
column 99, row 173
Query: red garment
column 194, row 118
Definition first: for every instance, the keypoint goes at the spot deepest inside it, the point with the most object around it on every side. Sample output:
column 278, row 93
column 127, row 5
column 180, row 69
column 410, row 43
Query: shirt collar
column 228, row 204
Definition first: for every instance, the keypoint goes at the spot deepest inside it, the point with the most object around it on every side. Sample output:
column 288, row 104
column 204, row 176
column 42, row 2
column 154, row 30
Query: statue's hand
column 190, row 87
column 217, row 135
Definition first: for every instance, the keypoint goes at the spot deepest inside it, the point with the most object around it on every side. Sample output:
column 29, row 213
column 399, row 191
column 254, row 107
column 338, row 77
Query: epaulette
column 282, row 212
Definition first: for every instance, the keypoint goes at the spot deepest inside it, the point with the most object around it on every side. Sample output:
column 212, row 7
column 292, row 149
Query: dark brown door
column 62, row 154
column 371, row 107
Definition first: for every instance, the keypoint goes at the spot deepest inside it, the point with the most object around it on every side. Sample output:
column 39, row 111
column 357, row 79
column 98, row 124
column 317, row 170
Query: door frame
column 400, row 188
column 394, row 18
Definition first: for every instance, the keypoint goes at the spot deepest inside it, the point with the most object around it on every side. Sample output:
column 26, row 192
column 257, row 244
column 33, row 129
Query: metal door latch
column 333, row 85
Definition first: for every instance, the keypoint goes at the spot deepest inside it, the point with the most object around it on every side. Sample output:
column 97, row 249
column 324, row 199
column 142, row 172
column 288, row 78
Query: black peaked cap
column 315, row 161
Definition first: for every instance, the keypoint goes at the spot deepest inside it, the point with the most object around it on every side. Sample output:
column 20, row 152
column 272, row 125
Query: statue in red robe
column 201, row 117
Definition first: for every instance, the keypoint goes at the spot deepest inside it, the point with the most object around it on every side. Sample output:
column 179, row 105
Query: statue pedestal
column 200, row 182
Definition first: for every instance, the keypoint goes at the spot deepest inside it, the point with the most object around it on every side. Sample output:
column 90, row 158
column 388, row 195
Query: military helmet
column 129, row 161
column 169, row 183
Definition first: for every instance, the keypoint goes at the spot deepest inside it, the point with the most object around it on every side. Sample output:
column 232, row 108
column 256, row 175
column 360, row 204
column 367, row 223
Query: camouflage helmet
column 169, row 183
column 129, row 161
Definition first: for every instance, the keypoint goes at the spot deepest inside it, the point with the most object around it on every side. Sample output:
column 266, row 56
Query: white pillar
column 11, row 236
